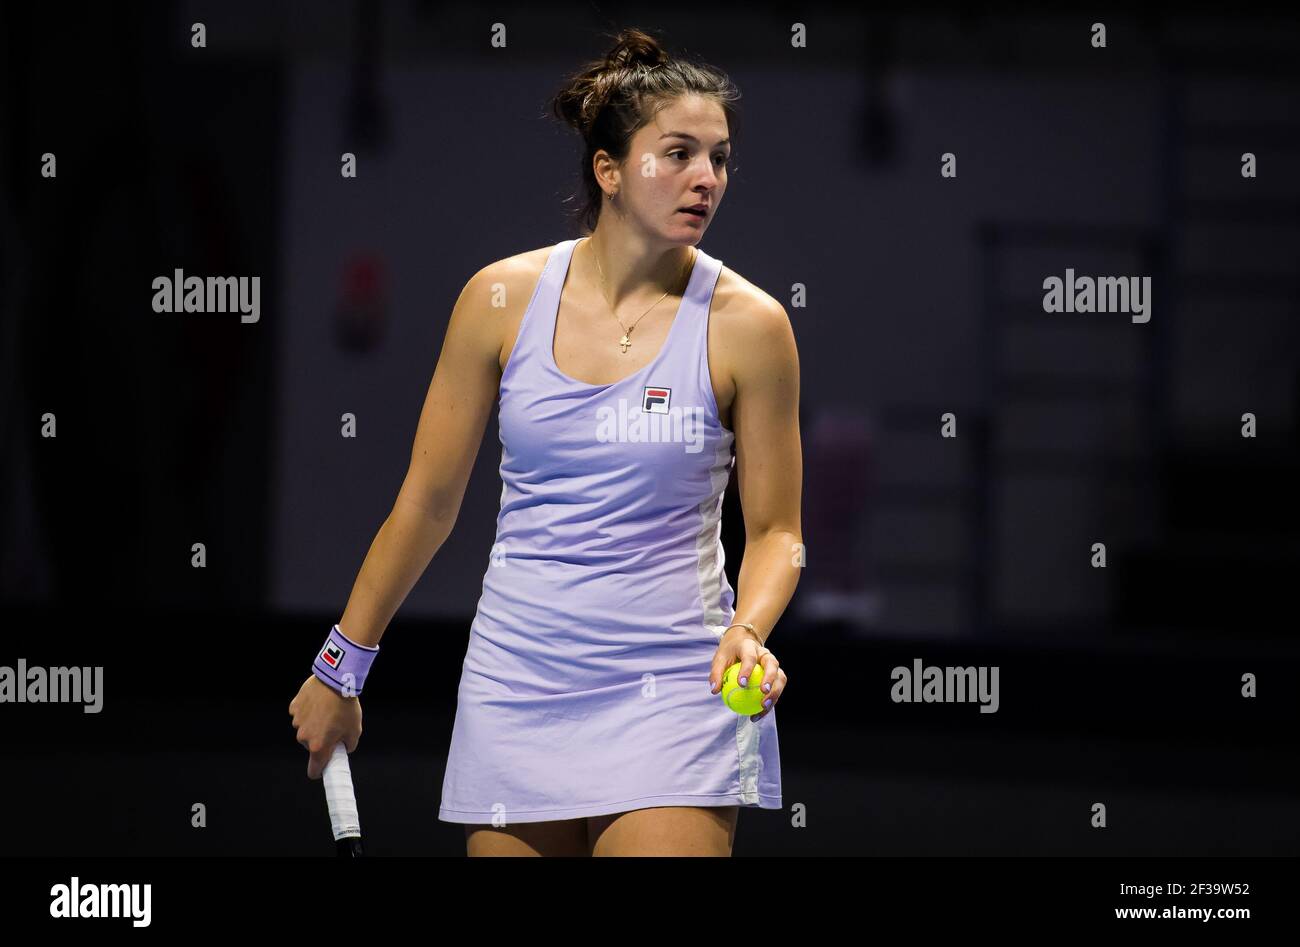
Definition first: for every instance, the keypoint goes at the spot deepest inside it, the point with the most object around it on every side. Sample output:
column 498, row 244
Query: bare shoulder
column 753, row 328
column 514, row 272
column 738, row 295
column 499, row 293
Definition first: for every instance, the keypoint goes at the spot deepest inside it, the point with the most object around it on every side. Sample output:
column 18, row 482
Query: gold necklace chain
column 626, row 341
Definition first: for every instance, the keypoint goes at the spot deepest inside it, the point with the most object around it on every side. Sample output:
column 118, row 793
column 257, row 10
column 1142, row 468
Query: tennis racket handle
column 342, row 802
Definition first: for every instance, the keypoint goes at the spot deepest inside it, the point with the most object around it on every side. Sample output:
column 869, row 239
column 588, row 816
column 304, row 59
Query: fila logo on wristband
column 342, row 664
column 333, row 654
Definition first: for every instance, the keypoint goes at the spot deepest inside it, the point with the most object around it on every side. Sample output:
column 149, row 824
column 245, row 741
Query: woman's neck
column 632, row 268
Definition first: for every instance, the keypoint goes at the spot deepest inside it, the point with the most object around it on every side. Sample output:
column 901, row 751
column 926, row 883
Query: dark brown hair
column 609, row 99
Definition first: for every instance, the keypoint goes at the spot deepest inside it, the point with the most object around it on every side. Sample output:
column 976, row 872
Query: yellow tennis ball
column 743, row 700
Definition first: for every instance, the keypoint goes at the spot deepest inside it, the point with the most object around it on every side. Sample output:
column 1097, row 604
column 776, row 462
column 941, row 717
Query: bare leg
column 665, row 830
column 565, row 838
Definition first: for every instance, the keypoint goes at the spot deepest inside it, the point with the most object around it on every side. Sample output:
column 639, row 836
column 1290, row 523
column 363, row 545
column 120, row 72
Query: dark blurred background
column 1120, row 685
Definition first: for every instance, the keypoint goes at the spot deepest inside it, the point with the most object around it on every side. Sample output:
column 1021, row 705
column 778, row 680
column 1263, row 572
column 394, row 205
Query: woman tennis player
column 628, row 364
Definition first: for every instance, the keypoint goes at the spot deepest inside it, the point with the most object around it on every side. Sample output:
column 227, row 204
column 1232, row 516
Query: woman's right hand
column 324, row 718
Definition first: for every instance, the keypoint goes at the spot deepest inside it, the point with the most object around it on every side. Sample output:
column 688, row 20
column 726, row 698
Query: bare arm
column 769, row 467
column 447, row 439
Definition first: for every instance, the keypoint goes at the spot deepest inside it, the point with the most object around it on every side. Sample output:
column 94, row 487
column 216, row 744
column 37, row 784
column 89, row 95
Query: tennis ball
column 743, row 700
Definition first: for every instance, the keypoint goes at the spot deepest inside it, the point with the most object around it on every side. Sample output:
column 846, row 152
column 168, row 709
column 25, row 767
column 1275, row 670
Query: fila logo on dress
column 654, row 399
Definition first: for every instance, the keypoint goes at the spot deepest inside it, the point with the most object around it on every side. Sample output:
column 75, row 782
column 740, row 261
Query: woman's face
column 677, row 160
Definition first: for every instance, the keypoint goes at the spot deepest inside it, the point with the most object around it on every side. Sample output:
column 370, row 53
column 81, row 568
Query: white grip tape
column 339, row 795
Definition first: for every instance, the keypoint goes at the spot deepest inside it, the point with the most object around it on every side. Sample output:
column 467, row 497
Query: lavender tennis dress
column 585, row 686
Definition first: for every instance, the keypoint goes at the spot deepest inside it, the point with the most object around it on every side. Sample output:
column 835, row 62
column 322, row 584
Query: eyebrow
column 725, row 141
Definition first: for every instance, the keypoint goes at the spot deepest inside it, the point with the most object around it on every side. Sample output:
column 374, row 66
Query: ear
column 606, row 170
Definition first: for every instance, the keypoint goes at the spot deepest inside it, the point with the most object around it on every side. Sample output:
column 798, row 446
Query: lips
column 699, row 210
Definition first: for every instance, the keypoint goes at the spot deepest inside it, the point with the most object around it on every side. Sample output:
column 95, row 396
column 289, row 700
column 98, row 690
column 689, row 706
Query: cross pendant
column 625, row 342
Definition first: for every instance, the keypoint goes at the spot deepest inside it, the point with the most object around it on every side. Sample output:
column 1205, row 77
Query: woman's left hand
column 741, row 644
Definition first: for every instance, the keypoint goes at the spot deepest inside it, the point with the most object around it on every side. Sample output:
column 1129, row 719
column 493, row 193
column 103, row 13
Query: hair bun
column 635, row 48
